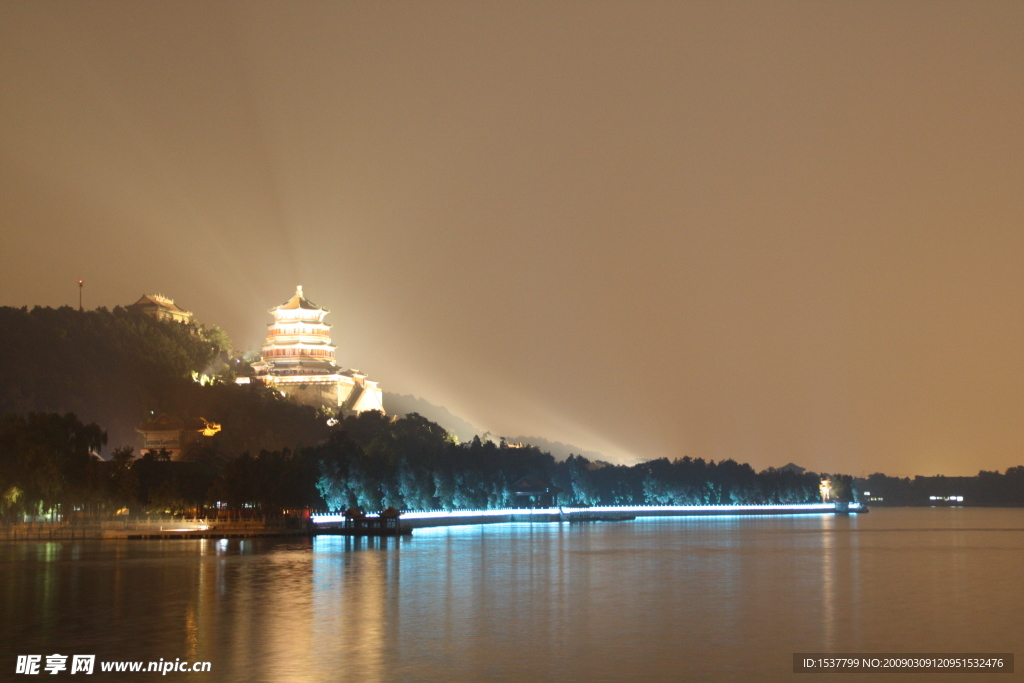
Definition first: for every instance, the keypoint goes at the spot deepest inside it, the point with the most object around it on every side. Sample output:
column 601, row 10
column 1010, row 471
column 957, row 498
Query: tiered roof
column 160, row 306
column 299, row 308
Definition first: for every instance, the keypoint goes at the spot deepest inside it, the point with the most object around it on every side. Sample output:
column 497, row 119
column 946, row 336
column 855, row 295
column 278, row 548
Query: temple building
column 298, row 360
column 160, row 307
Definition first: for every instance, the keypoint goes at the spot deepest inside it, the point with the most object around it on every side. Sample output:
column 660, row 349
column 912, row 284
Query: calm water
column 656, row 600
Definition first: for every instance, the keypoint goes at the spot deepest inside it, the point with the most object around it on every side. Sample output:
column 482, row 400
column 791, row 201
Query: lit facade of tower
column 298, row 360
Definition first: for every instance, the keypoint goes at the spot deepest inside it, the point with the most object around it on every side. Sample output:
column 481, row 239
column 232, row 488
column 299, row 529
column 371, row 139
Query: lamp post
column 80, row 309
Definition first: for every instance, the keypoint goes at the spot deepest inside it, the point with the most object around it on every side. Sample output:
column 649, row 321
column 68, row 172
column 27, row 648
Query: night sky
column 770, row 231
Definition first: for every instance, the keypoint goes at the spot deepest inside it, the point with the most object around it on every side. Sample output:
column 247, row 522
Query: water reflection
column 828, row 586
column 698, row 598
column 350, row 582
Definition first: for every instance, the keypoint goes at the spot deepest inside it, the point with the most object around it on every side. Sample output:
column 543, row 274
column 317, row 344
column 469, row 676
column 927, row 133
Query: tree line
column 48, row 462
column 992, row 489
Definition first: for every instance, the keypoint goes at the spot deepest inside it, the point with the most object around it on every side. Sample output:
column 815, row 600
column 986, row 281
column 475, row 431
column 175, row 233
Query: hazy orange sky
column 767, row 231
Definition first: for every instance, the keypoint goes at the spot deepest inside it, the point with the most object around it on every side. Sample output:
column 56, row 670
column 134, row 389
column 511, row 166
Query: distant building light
column 947, row 499
column 209, row 428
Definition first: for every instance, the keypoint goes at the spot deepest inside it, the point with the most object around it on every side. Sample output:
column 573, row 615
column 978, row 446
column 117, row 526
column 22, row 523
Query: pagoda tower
column 298, row 360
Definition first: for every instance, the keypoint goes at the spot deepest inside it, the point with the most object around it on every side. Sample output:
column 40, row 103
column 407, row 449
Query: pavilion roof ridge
column 299, row 301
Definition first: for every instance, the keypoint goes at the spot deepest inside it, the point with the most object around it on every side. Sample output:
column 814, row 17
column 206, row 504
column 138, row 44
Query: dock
column 357, row 523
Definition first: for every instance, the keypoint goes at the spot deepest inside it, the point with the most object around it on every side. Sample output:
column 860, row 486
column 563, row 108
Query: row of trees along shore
column 987, row 488
column 370, row 461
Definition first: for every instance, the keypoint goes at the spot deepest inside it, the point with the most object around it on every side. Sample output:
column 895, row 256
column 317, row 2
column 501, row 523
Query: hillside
column 116, row 368
column 406, row 404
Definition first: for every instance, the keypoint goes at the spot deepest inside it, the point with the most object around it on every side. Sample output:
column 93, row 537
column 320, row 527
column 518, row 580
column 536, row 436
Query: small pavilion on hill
column 160, row 307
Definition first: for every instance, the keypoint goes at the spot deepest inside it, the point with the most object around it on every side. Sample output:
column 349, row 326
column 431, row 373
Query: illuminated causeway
column 560, row 514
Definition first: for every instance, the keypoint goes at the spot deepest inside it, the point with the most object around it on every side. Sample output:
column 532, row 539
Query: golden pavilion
column 298, row 360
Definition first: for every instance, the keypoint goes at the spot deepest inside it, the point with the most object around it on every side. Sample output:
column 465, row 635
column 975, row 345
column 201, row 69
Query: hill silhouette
column 406, row 404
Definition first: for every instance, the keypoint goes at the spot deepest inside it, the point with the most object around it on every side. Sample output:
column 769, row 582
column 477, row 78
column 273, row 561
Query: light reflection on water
column 665, row 599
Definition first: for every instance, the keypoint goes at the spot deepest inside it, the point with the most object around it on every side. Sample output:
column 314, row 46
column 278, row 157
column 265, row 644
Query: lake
column 658, row 599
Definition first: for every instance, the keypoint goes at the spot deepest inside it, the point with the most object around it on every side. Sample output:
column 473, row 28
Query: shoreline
column 328, row 524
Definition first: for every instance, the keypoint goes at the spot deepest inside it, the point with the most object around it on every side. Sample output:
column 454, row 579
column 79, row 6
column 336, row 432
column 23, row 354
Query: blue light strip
column 333, row 518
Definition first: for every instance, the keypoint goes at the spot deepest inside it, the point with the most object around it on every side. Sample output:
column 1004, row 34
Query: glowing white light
column 334, row 518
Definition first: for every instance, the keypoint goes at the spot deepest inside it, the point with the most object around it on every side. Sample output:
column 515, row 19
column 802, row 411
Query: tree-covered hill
column 117, row 368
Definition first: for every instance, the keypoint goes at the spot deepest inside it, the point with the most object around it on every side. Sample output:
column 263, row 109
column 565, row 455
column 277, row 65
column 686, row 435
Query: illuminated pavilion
column 161, row 308
column 298, row 360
